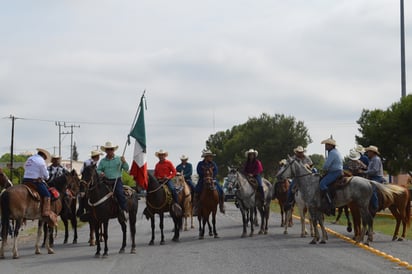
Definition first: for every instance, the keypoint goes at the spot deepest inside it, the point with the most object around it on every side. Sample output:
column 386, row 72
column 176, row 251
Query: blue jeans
column 291, row 185
column 119, row 192
column 374, row 198
column 190, row 183
column 329, row 178
column 199, row 188
column 172, row 189
column 259, row 181
column 41, row 187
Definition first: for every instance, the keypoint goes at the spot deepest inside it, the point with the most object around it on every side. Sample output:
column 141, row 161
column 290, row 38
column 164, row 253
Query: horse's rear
column 184, row 199
column 209, row 200
column 281, row 193
column 263, row 205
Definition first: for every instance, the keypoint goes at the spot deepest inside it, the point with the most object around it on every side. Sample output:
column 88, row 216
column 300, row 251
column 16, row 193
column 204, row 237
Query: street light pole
column 403, row 70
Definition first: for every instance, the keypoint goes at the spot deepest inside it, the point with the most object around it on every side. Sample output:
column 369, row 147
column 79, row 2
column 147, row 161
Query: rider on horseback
column 304, row 160
column 111, row 168
column 186, row 169
column 35, row 172
column 333, row 168
column 201, row 167
column 165, row 171
column 253, row 168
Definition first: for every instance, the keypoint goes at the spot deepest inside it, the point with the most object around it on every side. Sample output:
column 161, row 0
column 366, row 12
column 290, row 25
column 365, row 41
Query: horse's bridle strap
column 102, row 200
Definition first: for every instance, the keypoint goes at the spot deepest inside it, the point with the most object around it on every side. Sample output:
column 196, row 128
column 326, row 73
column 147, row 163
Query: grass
column 382, row 223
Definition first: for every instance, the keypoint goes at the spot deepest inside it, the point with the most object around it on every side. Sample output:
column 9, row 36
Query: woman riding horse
column 253, row 168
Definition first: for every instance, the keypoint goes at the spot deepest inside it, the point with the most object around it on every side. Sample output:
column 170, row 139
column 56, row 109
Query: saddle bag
column 54, row 193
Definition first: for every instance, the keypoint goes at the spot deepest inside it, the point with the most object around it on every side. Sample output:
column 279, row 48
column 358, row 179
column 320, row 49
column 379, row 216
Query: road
column 272, row 253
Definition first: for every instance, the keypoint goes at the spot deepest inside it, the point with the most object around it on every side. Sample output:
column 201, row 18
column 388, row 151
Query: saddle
column 341, row 182
column 32, row 188
column 253, row 182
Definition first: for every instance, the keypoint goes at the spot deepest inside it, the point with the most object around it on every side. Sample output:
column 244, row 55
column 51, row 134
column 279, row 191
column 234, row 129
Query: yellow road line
column 375, row 251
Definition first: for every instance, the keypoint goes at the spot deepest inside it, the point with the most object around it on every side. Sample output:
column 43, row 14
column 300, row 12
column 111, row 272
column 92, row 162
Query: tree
column 75, row 154
column 318, row 161
column 391, row 131
column 273, row 137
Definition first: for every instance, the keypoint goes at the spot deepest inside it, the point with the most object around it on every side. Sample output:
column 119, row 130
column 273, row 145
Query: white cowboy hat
column 46, row 153
column 107, row 145
column 354, row 154
column 161, row 152
column 372, row 148
column 250, row 151
column 360, row 149
column 207, row 152
column 329, row 141
column 94, row 153
column 184, row 158
column 299, row 149
column 55, row 156
column 283, row 162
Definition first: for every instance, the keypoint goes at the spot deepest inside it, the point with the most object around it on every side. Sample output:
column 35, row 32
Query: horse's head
column 73, row 182
column 232, row 178
column 286, row 171
column 4, row 180
column 89, row 175
column 208, row 177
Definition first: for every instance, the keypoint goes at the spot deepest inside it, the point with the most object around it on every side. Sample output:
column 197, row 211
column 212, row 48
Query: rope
column 107, row 196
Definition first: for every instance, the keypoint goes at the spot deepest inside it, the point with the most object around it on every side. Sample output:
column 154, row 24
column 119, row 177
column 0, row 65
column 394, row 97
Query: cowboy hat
column 107, row 145
column 46, row 153
column 250, row 151
column 207, row 152
column 299, row 149
column 360, row 149
column 94, row 153
column 373, row 149
column 329, row 141
column 161, row 152
column 282, row 162
column 55, row 156
column 184, row 158
column 354, row 154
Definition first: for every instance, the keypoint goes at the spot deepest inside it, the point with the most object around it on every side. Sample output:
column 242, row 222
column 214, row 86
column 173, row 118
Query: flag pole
column 134, row 121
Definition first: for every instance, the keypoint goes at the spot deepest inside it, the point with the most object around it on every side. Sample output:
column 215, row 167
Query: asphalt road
column 272, row 253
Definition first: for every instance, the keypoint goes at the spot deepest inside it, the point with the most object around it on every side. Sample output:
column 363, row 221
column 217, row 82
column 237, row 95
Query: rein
column 102, row 200
column 156, row 189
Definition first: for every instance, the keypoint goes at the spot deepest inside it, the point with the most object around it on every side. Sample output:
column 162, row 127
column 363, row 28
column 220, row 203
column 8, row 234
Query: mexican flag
column 139, row 164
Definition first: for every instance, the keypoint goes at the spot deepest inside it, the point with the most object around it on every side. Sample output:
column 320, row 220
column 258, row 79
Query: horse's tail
column 5, row 214
column 388, row 191
column 408, row 208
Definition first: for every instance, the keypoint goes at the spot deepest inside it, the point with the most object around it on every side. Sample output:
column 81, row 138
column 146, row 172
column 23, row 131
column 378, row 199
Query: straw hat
column 207, row 152
column 107, row 145
column 329, row 141
column 184, row 158
column 161, row 152
column 283, row 162
column 55, row 156
column 354, row 154
column 46, row 153
column 299, row 149
column 94, row 153
column 250, row 151
column 360, row 149
column 372, row 148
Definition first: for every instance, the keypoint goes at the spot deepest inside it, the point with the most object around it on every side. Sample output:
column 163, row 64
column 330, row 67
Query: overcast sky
column 205, row 65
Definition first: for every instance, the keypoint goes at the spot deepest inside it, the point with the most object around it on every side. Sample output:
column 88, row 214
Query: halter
column 236, row 183
column 294, row 173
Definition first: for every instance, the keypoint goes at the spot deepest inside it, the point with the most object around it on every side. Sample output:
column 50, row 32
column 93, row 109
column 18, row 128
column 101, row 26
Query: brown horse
column 209, row 199
column 399, row 207
column 183, row 187
column 281, row 193
column 4, row 180
column 21, row 202
column 159, row 201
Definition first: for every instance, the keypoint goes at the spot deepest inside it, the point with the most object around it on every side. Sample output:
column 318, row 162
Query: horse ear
column 290, row 158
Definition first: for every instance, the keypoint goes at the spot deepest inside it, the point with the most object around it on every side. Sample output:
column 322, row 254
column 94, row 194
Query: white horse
column 303, row 209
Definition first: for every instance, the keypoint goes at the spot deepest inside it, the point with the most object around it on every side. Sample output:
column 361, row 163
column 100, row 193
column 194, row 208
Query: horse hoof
column 201, row 237
column 400, row 239
column 50, row 251
column 121, row 251
column 192, row 226
column 313, row 242
column 65, row 242
column 15, row 256
column 323, row 242
column 302, row 235
column 74, row 242
column 186, row 229
column 105, row 255
column 216, row 236
column 260, row 232
column 243, row 235
column 251, row 235
column 151, row 243
column 210, row 234
column 37, row 252
column 133, row 251
column 176, row 240
column 43, row 246
column 162, row 242
column 266, row 232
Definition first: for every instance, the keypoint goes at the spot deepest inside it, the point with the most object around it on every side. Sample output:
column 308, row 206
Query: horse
column 159, row 201
column 103, row 207
column 281, row 193
column 22, row 202
column 399, row 207
column 4, row 180
column 303, row 209
column 68, row 212
column 345, row 209
column 358, row 190
column 182, row 186
column 209, row 199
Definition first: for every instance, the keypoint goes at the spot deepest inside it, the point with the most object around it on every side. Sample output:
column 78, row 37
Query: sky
column 206, row 66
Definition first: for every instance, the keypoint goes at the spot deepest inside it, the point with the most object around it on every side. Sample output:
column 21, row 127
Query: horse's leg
column 210, row 227
column 349, row 227
column 162, row 239
column 124, row 233
column 152, row 225
column 302, row 214
column 322, row 227
column 252, row 221
column 45, row 235
column 367, row 224
column 73, row 221
column 176, row 222
column 283, row 215
column 96, row 225
column 316, row 236
column 65, row 221
column 397, row 216
column 132, row 226
column 49, row 237
column 39, row 232
column 262, row 218
column 214, row 223
column 191, row 217
column 255, row 221
column 267, row 214
column 288, row 214
column 244, row 221
column 106, row 237
column 92, row 241
column 185, row 223
column 201, row 230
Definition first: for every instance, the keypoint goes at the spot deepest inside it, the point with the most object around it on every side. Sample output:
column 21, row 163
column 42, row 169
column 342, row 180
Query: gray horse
column 358, row 191
column 248, row 200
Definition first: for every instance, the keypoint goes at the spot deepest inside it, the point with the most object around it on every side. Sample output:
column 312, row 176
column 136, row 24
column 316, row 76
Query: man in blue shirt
column 186, row 169
column 333, row 169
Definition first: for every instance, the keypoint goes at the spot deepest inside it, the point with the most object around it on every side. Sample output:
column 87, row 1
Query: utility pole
column 71, row 141
column 60, row 124
column 13, row 118
column 403, row 69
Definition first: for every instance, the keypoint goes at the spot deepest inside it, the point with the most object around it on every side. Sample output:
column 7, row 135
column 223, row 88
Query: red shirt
column 164, row 169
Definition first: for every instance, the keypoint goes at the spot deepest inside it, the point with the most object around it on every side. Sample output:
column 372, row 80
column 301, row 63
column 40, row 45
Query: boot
column 331, row 205
column 221, row 204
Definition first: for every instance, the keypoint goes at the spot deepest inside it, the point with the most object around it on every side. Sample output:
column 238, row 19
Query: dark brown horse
column 103, row 207
column 399, row 207
column 281, row 193
column 159, row 201
column 21, row 202
column 209, row 199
